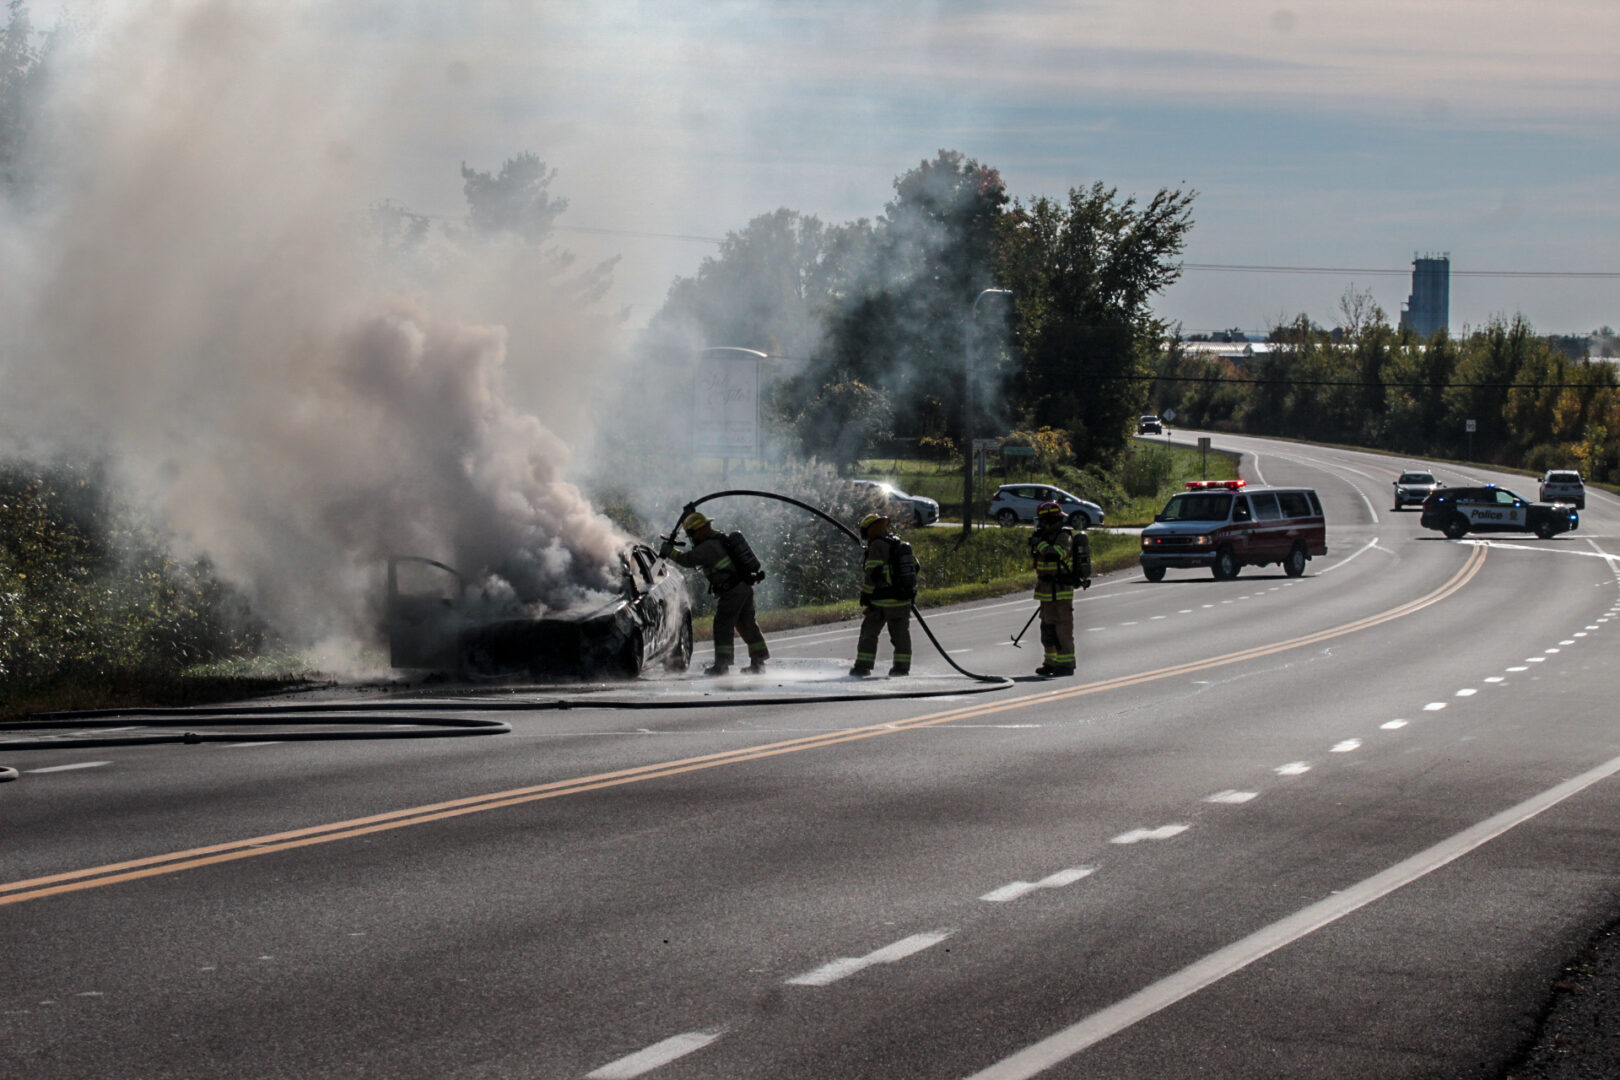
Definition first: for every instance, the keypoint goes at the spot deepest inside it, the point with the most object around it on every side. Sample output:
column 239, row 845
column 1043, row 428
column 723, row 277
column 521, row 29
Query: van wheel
column 1226, row 565
column 1007, row 517
column 1545, row 530
column 1153, row 573
column 1457, row 527
column 1294, row 565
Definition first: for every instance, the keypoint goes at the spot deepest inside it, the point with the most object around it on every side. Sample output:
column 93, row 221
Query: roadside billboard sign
column 725, row 403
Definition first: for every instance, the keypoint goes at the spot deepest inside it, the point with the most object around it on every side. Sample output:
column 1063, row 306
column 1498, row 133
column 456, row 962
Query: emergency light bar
column 1208, row 485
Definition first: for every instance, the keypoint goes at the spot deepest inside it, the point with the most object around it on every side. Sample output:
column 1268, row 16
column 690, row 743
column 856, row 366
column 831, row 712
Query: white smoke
column 192, row 294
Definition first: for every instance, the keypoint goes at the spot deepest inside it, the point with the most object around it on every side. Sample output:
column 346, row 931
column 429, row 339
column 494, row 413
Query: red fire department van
column 1226, row 525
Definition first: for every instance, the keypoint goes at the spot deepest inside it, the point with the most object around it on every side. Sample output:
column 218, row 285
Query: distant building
column 1428, row 309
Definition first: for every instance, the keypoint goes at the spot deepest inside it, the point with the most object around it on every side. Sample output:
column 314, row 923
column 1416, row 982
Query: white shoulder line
column 1240, row 954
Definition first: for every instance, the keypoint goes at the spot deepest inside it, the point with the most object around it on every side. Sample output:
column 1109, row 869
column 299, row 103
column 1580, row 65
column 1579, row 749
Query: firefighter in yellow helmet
column 887, row 600
column 1062, row 560
column 733, row 589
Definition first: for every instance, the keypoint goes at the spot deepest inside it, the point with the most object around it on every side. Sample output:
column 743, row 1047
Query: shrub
column 89, row 591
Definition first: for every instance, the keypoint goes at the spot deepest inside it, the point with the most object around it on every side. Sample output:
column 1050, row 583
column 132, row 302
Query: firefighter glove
column 866, row 601
column 758, row 577
column 666, row 549
column 1085, row 583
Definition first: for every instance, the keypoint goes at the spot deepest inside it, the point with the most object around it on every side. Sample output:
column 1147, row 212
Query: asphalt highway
column 1349, row 824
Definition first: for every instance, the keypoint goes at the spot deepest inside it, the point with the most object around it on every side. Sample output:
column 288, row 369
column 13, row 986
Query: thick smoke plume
column 190, row 290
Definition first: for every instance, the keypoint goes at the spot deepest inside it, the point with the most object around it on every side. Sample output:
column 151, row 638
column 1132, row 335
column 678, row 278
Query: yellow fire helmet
column 694, row 521
column 872, row 519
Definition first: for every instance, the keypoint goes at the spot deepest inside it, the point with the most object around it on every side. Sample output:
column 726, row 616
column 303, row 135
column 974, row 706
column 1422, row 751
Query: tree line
column 1532, row 405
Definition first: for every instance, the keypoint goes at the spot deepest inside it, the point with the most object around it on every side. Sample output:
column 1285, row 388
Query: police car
column 1461, row 510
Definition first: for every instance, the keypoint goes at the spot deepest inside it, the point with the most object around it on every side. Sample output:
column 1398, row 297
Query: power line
column 1363, row 383
column 1243, row 268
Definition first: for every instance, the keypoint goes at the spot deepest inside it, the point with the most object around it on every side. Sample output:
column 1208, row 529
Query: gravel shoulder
column 1579, row 1037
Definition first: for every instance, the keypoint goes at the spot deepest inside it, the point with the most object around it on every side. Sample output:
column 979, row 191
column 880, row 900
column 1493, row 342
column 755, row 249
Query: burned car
column 436, row 619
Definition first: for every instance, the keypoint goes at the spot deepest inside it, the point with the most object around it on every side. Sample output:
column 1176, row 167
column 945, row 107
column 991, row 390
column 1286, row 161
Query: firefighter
column 887, row 602
column 733, row 590
column 1062, row 560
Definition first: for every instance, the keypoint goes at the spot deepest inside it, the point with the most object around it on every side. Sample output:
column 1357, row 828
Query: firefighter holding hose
column 887, row 589
column 1062, row 561
column 732, row 571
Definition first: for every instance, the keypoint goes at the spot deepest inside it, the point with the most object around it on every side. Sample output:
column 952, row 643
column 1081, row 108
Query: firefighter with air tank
column 1062, row 561
column 886, row 596
column 732, row 571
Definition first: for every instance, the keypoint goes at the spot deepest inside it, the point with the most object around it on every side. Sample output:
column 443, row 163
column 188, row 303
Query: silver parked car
column 1014, row 503
column 913, row 509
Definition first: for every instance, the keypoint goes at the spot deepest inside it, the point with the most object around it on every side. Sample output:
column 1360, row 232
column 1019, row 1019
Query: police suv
column 1461, row 510
column 1226, row 525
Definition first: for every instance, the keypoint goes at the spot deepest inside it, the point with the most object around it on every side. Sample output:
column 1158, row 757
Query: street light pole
column 968, row 453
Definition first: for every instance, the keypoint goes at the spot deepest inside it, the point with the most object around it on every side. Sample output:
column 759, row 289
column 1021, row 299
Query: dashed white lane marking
column 1293, row 768
column 1024, row 888
column 1037, row 1058
column 1156, row 618
column 1127, row 624
column 1549, row 652
column 1535, row 659
column 1567, row 641
column 1163, row 832
column 846, row 966
column 1519, row 668
column 1232, row 796
column 658, row 1054
column 1578, row 634
column 1094, row 629
column 1494, row 678
column 1346, row 746
column 1392, row 725
column 1467, row 692
column 1434, row 706
column 1188, row 611
column 272, row 742
column 69, row 768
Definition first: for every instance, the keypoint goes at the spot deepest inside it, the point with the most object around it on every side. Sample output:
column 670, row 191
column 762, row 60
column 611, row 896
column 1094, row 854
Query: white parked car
column 1014, row 503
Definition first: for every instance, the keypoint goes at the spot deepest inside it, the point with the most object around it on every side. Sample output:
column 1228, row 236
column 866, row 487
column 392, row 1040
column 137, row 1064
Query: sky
column 1345, row 136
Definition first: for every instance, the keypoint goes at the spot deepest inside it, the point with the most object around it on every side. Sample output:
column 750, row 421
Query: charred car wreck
column 437, row 621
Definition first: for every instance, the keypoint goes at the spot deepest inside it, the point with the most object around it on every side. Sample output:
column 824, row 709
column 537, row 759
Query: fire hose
column 847, row 531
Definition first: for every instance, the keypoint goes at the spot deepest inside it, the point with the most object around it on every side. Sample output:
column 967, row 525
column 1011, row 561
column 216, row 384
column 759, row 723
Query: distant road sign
column 1470, row 425
column 1169, row 414
column 985, row 444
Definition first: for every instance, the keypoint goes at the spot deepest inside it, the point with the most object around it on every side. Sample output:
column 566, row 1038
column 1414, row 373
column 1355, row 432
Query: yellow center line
column 172, row 862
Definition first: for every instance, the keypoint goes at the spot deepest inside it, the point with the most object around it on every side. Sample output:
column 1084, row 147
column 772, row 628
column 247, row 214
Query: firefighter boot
column 860, row 671
column 717, row 668
column 900, row 669
column 755, row 668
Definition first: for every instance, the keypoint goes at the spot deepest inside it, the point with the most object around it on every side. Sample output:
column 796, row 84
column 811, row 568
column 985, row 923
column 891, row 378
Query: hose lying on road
column 62, row 724
column 853, row 535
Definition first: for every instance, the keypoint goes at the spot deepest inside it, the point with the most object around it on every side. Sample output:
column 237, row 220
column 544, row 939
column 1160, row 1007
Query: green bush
column 89, row 592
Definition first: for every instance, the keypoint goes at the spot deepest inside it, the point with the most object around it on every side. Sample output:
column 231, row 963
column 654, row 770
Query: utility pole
column 968, row 453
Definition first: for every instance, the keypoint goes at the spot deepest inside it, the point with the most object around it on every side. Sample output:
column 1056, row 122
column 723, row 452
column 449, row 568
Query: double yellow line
column 192, row 858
